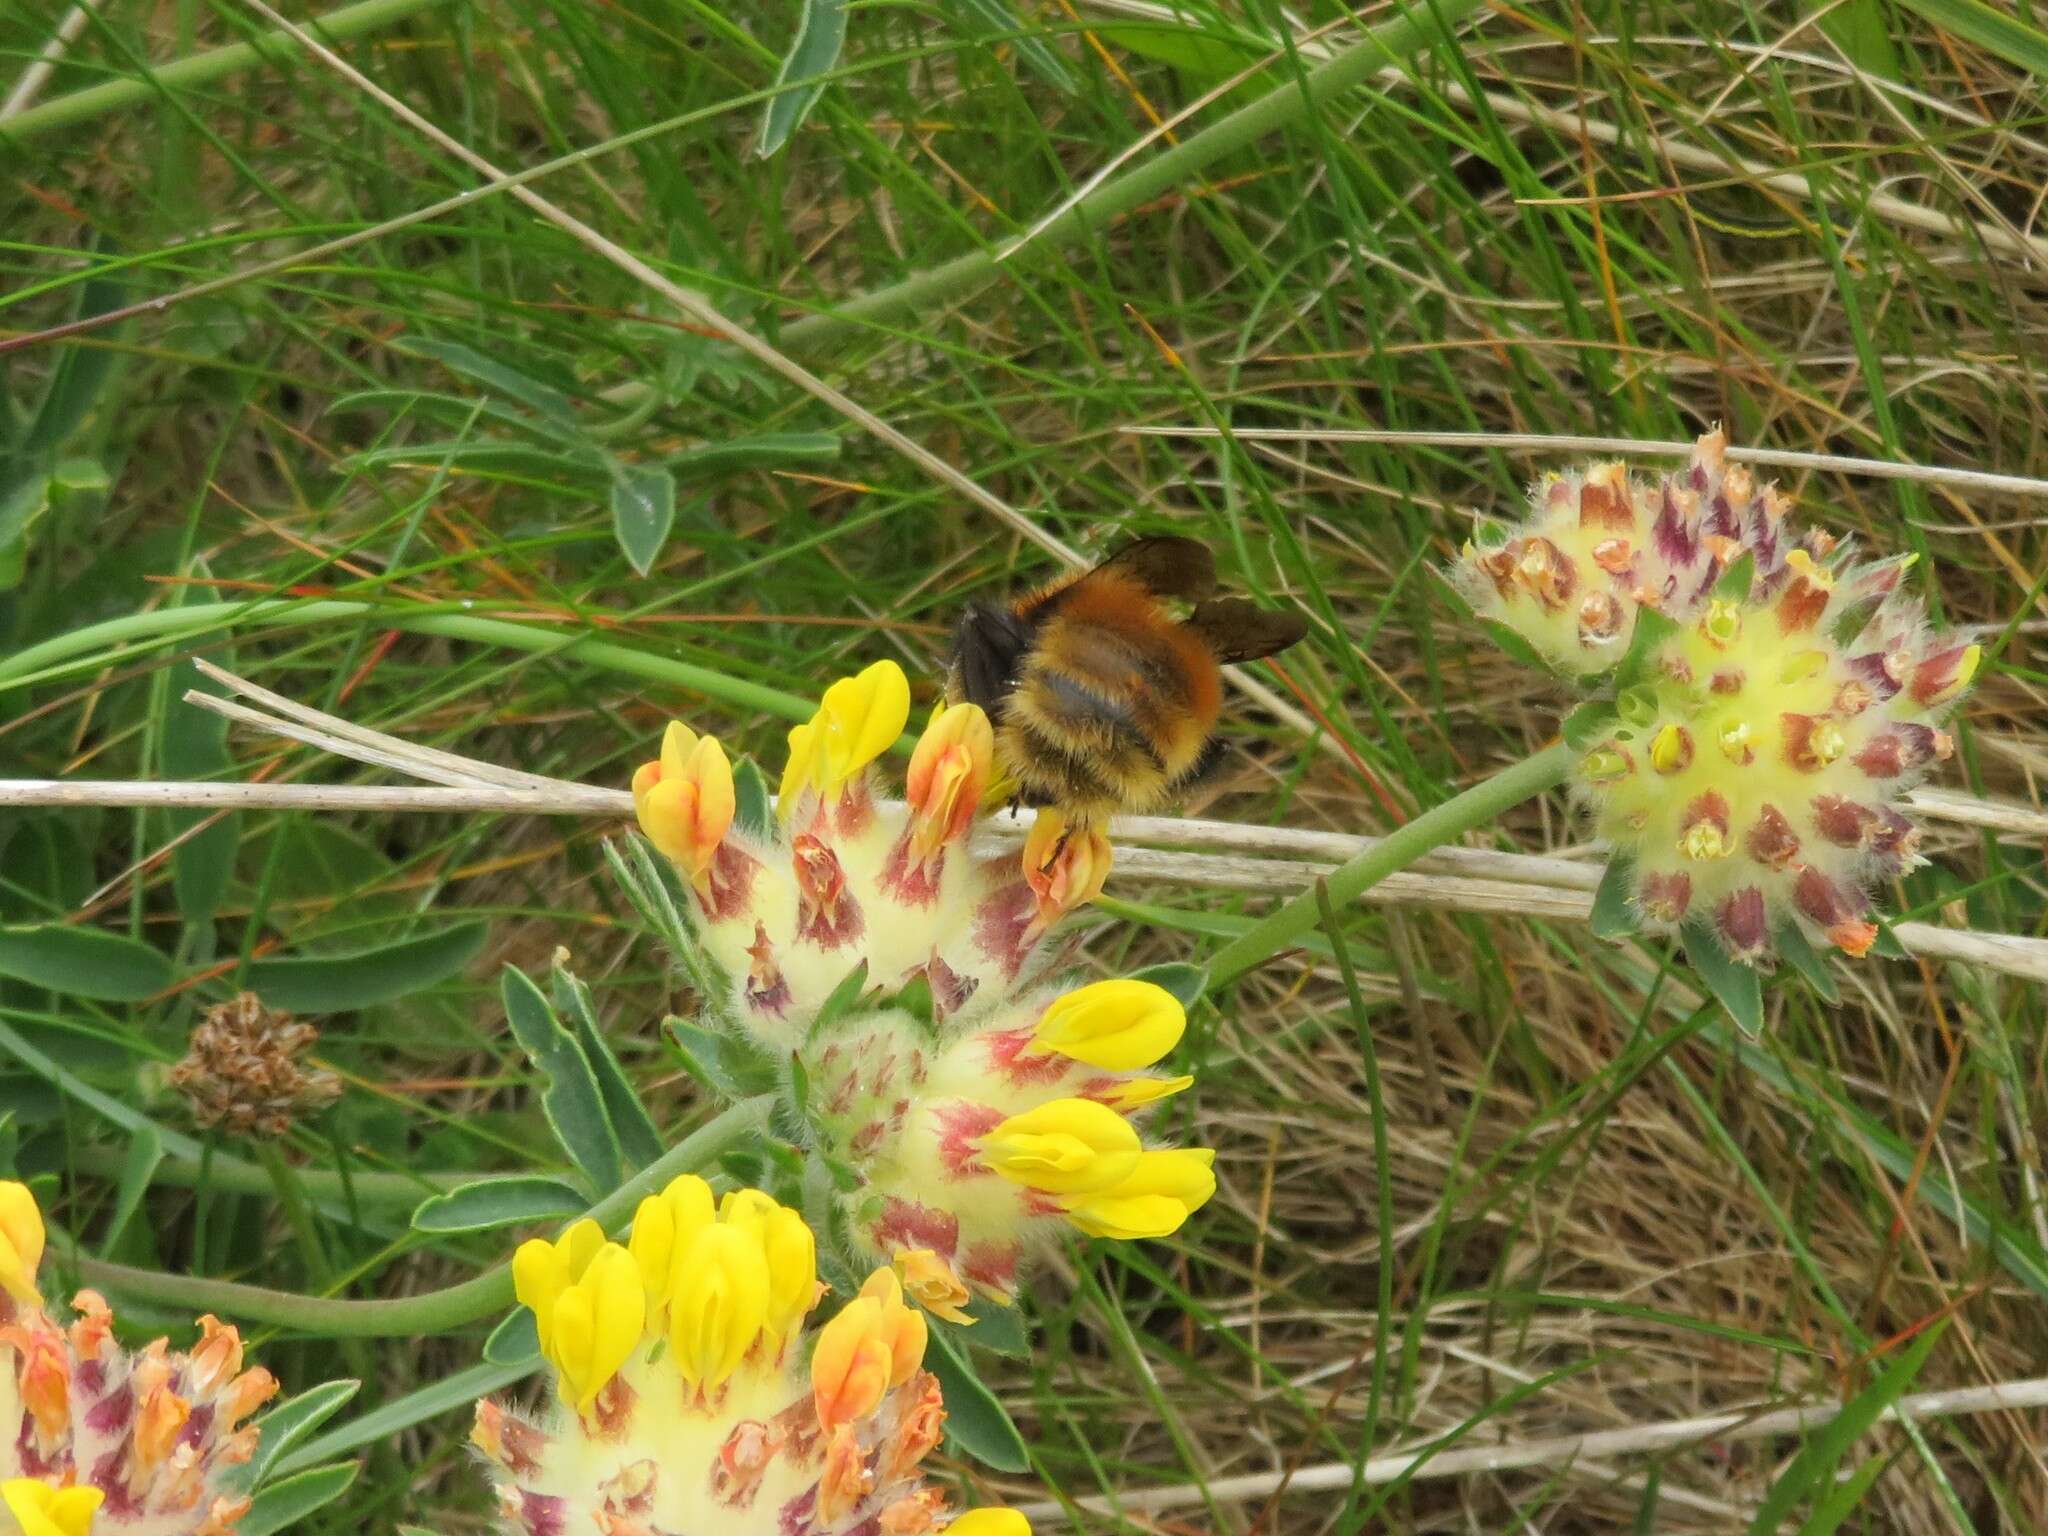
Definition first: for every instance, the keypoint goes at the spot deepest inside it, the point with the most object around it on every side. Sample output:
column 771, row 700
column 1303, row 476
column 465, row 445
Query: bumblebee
column 1103, row 701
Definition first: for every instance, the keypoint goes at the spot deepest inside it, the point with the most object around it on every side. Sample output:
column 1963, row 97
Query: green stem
column 203, row 69
column 1396, row 851
column 231, row 1175
column 45, row 662
column 1285, row 105
column 436, row 1311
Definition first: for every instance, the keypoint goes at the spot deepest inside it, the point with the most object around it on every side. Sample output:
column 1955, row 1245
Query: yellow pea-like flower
column 21, row 1242
column 718, row 1305
column 1160, row 1192
column 543, row 1270
column 1137, row 1092
column 1063, row 1147
column 596, row 1324
column 664, row 1226
column 686, row 802
column 857, row 721
column 990, row 1522
column 1120, row 1025
column 875, row 1343
column 40, row 1510
column 792, row 1255
column 947, row 775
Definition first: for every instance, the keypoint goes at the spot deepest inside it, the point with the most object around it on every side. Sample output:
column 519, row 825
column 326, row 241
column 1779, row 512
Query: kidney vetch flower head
column 973, row 1102
column 1775, row 697
column 97, row 1438
column 691, row 1398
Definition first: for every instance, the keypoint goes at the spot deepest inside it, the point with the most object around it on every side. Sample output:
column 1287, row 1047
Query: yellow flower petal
column 718, row 1305
column 989, row 1522
column 41, row 1510
column 1161, row 1192
column 1119, row 1025
column 21, row 1242
column 1064, row 1147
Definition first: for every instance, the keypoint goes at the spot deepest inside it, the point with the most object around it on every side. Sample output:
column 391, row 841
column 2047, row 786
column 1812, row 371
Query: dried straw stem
column 1425, row 1459
column 1220, row 855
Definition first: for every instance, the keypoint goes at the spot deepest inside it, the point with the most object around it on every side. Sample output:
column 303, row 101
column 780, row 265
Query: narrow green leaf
column 718, row 1061
column 1588, row 725
column 1738, row 987
column 1041, row 56
column 83, row 368
column 998, row 1329
column 340, row 983
column 638, row 1138
column 1734, row 583
column 763, row 452
column 289, row 1423
column 571, row 1100
column 145, row 1151
column 1645, row 637
column 754, row 809
column 1796, row 952
column 975, row 1421
column 1186, row 982
column 819, row 37
column 1614, row 911
column 840, row 1000
column 515, row 1340
column 1511, row 642
column 543, row 399
column 498, row 1202
column 1887, row 943
column 643, row 511
column 2016, row 41
column 82, row 962
column 195, row 746
column 451, row 1394
column 1814, row 1467
column 1862, row 29
column 284, row 1504
column 1842, row 1499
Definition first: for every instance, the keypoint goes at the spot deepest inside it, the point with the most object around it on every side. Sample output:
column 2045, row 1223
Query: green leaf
column 545, row 400
column 1887, row 943
column 1796, row 952
column 195, row 746
column 998, row 1329
column 497, row 1202
column 1862, row 29
column 1614, row 912
column 718, row 1061
column 840, row 1000
column 1036, row 52
column 643, row 511
column 289, row 1423
column 975, row 1421
column 1649, row 632
column 765, row 451
column 638, row 1138
column 1842, row 1498
column 1733, row 584
column 2016, row 41
column 341, row 983
column 914, row 997
column 285, row 1503
column 1186, row 982
column 145, row 1151
column 1588, row 725
column 82, row 962
column 450, row 1394
column 1813, row 1469
column 1511, row 642
column 754, row 809
column 819, row 37
column 1738, row 987
column 571, row 1100
column 515, row 1340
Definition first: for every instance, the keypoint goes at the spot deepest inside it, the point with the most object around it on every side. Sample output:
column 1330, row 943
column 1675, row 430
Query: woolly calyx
column 95, row 1437
column 1776, row 698
column 689, row 1397
column 784, row 906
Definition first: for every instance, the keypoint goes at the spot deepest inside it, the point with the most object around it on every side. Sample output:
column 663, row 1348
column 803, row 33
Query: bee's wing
column 988, row 647
column 1238, row 630
column 1166, row 566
